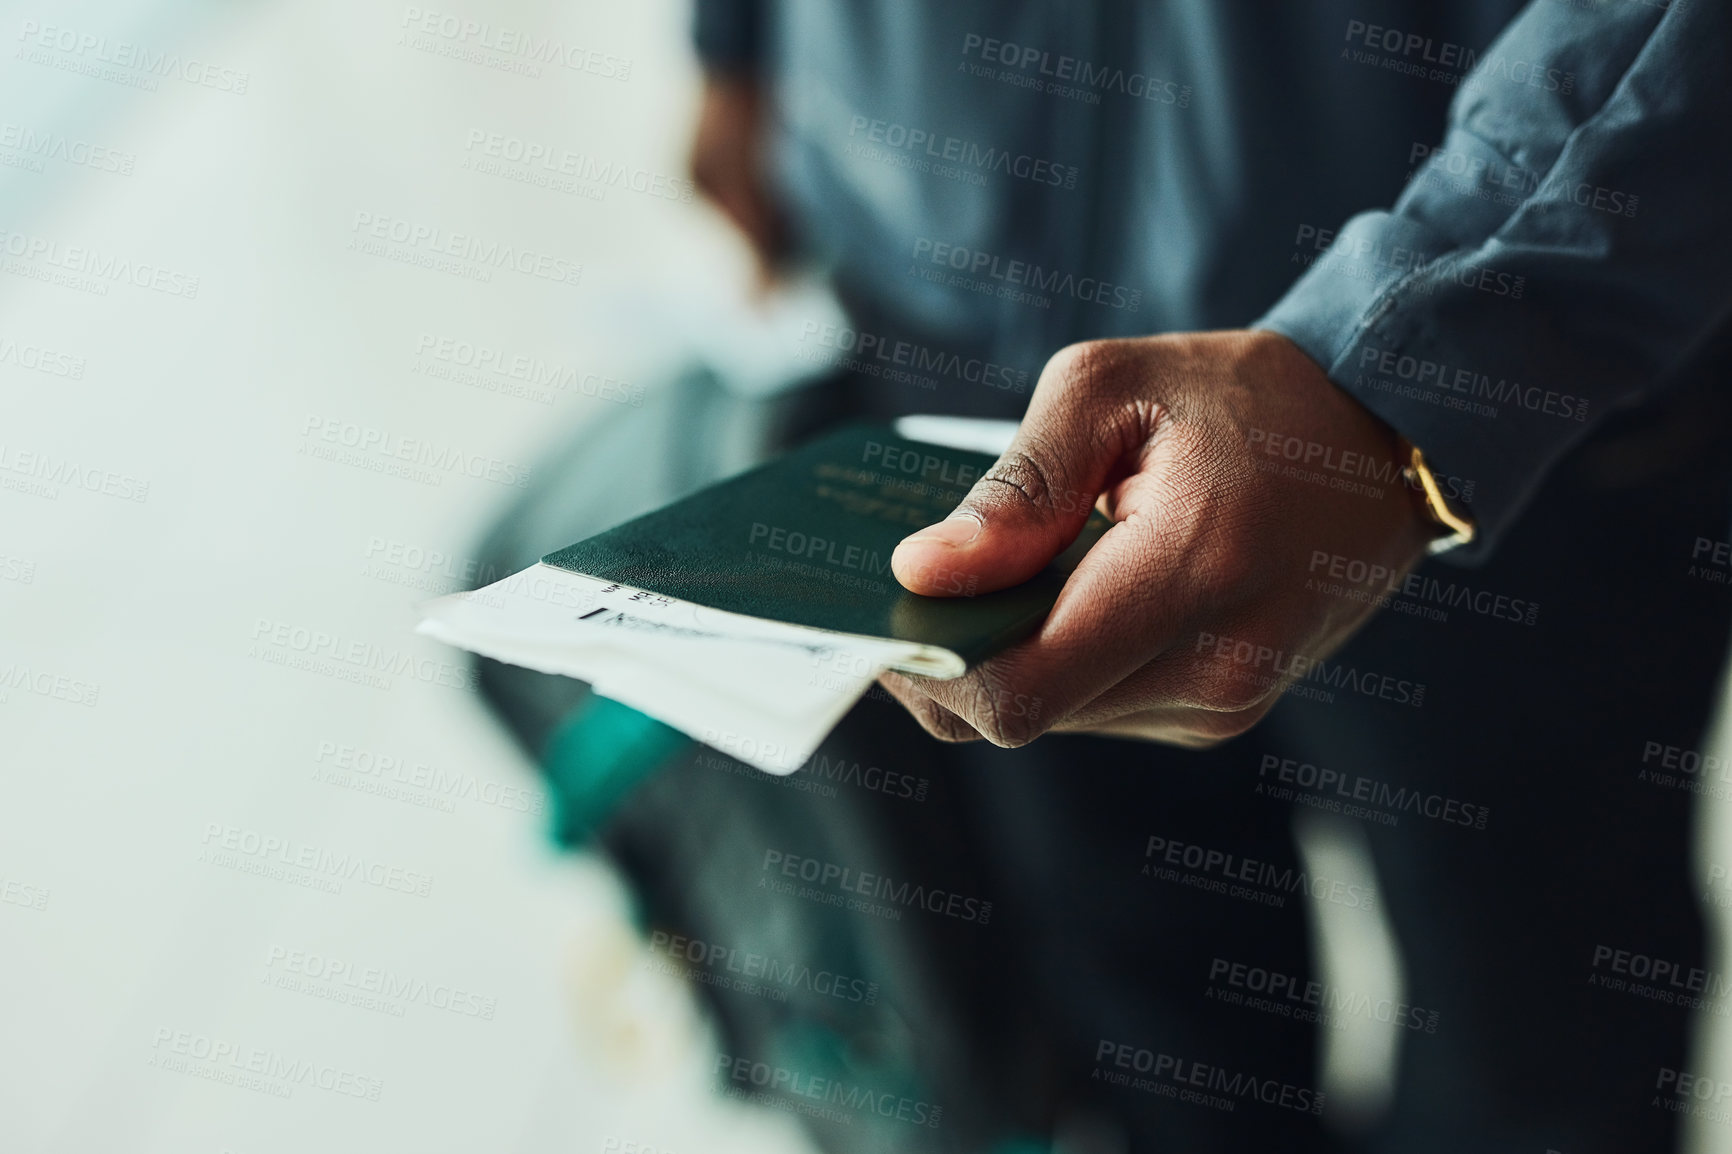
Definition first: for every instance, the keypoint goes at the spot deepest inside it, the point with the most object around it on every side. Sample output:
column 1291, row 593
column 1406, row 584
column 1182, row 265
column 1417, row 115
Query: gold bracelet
column 1461, row 529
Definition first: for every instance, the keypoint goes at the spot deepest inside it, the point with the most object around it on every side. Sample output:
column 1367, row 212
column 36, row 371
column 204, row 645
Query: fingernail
column 957, row 529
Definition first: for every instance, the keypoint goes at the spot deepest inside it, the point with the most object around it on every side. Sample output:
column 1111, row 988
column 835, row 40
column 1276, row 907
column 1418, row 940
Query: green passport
column 806, row 540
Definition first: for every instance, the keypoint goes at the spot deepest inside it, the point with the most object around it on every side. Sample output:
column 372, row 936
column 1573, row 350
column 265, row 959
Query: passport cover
column 806, row 539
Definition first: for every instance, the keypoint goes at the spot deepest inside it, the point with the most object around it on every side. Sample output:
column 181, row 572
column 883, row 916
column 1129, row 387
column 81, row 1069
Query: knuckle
column 1226, row 726
column 1000, row 714
column 1207, row 729
column 1022, row 477
column 941, row 723
column 1226, row 690
column 951, row 729
column 1083, row 366
column 1194, row 741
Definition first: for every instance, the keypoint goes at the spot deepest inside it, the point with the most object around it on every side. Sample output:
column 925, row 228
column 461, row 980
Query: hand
column 1235, row 473
column 727, row 164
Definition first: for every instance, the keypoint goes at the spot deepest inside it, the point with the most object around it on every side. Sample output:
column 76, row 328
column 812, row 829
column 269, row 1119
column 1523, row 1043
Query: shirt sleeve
column 1566, row 245
column 728, row 34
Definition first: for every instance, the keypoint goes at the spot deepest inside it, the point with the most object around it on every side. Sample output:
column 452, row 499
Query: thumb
column 1024, row 512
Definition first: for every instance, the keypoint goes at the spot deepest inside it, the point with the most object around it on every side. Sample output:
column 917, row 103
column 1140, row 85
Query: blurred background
column 224, row 327
column 517, row 1016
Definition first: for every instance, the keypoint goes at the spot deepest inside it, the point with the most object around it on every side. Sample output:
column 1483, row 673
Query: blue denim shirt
column 1493, row 224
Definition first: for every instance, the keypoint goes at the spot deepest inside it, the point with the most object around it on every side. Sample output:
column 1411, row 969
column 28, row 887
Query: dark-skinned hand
column 1230, row 467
